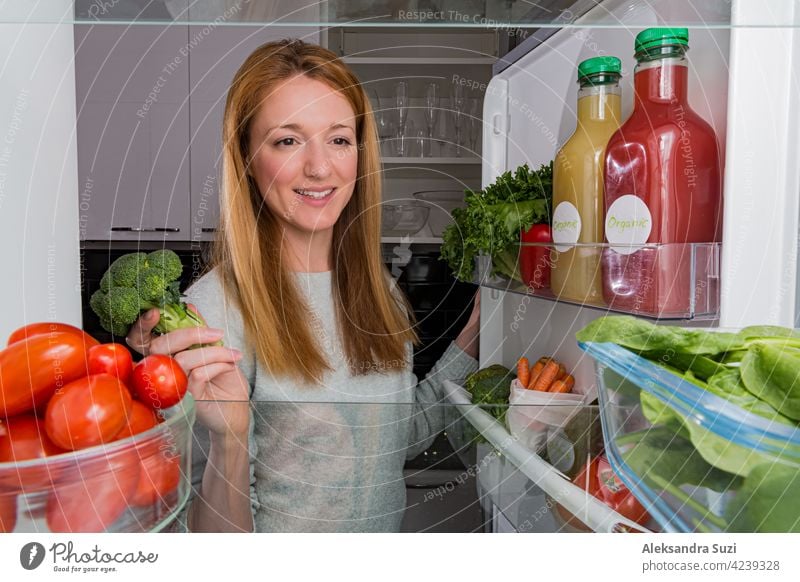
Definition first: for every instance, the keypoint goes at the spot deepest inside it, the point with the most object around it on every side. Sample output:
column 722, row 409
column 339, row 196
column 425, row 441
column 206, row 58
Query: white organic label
column 628, row 224
column 566, row 226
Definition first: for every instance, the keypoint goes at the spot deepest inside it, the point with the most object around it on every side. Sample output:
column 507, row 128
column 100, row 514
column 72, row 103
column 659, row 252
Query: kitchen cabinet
column 132, row 130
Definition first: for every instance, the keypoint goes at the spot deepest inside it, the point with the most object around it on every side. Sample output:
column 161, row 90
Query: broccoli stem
column 174, row 316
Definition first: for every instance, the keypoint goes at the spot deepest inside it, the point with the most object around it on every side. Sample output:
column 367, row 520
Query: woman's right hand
column 215, row 381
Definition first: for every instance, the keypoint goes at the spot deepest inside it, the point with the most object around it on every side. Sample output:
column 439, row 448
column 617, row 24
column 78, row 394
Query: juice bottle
column 578, row 184
column 662, row 184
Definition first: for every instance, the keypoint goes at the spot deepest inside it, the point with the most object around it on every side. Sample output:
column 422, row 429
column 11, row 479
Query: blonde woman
column 311, row 408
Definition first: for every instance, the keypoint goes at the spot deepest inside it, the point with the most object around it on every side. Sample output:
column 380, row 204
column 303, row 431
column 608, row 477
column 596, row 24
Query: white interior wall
column 38, row 167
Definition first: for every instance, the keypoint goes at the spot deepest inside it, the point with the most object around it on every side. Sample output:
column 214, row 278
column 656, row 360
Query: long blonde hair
column 374, row 321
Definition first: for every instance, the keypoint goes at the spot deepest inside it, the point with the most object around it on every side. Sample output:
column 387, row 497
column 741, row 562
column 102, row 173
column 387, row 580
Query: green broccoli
column 138, row 282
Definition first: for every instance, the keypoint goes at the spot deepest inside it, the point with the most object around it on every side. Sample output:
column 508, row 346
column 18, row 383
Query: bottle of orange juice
column 578, row 184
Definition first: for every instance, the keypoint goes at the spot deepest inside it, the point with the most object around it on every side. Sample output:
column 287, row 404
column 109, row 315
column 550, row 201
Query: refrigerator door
column 742, row 81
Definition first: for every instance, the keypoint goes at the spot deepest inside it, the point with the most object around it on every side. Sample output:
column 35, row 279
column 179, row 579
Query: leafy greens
column 491, row 222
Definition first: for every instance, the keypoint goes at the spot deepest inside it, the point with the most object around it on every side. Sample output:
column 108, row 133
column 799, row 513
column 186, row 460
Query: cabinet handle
column 143, row 229
column 208, row 229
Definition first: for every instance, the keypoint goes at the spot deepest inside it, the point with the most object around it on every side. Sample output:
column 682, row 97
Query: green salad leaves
column 491, row 222
column 757, row 372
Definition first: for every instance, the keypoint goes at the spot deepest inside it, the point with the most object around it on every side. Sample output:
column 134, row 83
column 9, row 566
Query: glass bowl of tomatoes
column 136, row 484
column 90, row 442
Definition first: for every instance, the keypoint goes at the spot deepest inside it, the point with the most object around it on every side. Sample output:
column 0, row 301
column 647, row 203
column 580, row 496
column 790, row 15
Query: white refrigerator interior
column 529, row 112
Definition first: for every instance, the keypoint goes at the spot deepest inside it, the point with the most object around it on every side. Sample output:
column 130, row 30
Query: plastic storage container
column 137, row 484
column 697, row 461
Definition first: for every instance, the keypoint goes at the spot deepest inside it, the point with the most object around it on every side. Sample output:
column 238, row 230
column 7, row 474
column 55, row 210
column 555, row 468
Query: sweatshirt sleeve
column 207, row 295
column 428, row 418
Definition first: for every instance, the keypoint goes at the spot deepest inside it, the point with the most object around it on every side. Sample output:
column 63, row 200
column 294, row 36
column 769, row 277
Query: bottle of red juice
column 662, row 185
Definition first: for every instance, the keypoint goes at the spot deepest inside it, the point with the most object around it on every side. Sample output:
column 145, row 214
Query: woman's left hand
column 467, row 340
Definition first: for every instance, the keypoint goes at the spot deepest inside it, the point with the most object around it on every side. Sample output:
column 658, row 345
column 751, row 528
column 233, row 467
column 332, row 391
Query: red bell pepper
column 534, row 261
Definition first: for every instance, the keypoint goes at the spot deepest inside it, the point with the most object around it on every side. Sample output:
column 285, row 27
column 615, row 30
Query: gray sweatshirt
column 327, row 458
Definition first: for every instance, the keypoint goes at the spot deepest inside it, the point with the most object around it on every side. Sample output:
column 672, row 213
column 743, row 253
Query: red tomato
column 140, row 419
column 31, row 370
column 26, row 439
column 8, row 512
column 534, row 261
column 88, row 412
column 160, row 475
column 114, row 359
column 615, row 494
column 586, row 478
column 92, row 495
column 159, row 381
column 47, row 327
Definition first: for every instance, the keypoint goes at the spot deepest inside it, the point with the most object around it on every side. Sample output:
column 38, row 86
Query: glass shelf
column 657, row 281
column 421, row 161
column 501, row 15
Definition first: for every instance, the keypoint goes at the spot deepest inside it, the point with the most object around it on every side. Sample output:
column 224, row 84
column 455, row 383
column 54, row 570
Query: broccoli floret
column 167, row 262
column 125, row 269
column 138, row 282
column 105, row 281
column 124, row 305
column 152, row 286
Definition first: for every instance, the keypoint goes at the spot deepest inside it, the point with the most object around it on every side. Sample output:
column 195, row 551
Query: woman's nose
column 317, row 163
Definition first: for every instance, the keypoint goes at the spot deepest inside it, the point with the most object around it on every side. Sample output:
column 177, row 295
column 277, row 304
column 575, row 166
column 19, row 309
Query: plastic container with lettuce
column 722, row 414
column 493, row 219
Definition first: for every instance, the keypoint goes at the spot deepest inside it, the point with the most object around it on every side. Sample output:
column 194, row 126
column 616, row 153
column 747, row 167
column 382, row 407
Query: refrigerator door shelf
column 596, row 515
column 657, row 281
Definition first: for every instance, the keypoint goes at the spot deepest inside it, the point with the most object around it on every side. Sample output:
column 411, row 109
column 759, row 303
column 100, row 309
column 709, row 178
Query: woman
column 299, row 286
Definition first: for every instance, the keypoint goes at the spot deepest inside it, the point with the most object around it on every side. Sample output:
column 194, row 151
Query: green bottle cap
column 655, row 37
column 597, row 65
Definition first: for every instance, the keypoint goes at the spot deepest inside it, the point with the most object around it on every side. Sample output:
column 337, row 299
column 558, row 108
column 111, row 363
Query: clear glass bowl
column 441, row 204
column 137, row 484
column 698, row 462
column 404, row 219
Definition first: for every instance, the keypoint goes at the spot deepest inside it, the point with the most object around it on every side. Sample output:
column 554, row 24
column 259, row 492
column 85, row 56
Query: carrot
column 546, row 377
column 559, row 387
column 523, row 371
column 562, row 372
column 537, row 369
column 569, row 380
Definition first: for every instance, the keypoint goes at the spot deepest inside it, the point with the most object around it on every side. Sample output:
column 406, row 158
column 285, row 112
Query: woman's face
column 304, row 154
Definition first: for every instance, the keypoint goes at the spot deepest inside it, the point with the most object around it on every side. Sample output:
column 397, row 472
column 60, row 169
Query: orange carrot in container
column 559, row 387
column 569, row 380
column 562, row 372
column 535, row 371
column 523, row 371
column 547, row 376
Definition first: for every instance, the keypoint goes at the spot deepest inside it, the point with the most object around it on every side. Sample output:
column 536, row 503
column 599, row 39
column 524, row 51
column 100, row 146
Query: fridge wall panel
column 760, row 238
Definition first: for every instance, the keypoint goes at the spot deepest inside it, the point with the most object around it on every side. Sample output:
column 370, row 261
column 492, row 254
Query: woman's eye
column 341, row 141
column 287, row 141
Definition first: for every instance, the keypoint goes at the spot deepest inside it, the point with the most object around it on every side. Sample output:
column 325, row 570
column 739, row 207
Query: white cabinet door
column 132, row 85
